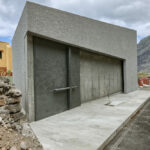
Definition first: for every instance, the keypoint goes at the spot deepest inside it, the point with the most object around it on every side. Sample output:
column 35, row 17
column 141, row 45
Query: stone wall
column 10, row 108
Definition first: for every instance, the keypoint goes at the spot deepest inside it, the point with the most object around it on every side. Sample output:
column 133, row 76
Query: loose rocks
column 13, row 148
column 23, row 145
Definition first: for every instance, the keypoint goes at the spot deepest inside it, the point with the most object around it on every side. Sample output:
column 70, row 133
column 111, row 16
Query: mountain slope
column 143, row 52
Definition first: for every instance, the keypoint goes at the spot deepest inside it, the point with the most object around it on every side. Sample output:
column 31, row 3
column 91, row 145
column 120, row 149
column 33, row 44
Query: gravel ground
column 13, row 140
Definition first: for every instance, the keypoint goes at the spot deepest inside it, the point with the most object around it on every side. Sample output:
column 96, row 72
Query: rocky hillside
column 143, row 52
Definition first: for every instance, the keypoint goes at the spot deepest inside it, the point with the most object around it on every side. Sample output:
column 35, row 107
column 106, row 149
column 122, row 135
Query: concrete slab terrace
column 90, row 126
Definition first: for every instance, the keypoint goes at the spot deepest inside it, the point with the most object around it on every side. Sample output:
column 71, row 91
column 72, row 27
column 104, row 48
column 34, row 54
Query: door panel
column 54, row 75
column 50, row 73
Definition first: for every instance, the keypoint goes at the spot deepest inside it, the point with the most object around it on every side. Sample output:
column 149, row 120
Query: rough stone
column 13, row 92
column 3, row 97
column 2, row 103
column 1, row 90
column 23, row 145
column 3, row 110
column 3, row 100
column 13, row 108
column 13, row 100
column 18, row 127
column 17, row 116
column 5, row 80
column 13, row 148
column 2, row 84
column 1, row 122
column 5, row 86
column 10, row 108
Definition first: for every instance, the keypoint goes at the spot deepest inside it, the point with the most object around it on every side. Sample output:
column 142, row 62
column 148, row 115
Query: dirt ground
column 12, row 140
column 15, row 131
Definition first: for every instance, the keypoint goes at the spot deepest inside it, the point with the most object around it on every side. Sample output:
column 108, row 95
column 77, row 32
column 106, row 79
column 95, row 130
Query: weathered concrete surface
column 87, row 127
column 136, row 135
column 99, row 76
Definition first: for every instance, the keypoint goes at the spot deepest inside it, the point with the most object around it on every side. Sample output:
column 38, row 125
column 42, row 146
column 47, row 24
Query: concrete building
column 64, row 60
column 5, row 58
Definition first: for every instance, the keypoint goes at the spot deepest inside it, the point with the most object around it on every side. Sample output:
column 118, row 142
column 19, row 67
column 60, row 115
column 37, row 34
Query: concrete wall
column 20, row 56
column 87, row 33
column 99, row 76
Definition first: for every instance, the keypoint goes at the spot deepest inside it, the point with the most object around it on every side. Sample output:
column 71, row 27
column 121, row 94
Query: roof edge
column 66, row 12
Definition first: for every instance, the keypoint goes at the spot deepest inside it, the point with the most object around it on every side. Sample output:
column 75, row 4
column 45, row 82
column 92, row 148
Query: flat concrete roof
column 90, row 126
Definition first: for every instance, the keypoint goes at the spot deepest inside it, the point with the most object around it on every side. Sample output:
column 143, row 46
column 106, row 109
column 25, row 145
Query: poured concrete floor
column 90, row 126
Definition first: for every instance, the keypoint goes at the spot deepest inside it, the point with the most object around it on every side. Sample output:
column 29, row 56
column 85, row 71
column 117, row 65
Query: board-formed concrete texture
column 91, row 126
column 99, row 76
column 73, row 30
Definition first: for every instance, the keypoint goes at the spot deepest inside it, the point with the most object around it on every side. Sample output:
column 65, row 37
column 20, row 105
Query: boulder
column 4, row 79
column 3, row 100
column 2, row 84
column 13, row 108
column 13, row 148
column 23, row 145
column 13, row 92
column 1, row 90
column 3, row 110
column 13, row 100
column 17, row 116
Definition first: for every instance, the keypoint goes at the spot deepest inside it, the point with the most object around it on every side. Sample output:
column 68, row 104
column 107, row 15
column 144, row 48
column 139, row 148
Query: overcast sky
column 134, row 14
